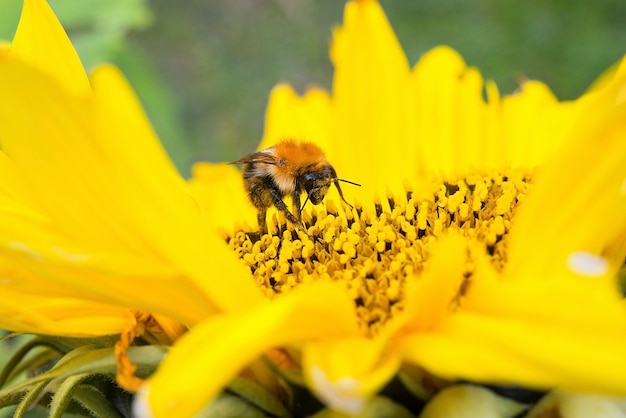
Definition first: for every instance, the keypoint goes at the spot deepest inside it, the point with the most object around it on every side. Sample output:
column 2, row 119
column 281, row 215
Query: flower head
column 437, row 159
column 468, row 252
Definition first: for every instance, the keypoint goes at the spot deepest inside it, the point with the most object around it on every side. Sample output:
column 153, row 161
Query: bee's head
column 316, row 183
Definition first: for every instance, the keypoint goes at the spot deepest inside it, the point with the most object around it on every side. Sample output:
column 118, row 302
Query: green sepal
column 578, row 405
column 93, row 400
column 292, row 376
column 468, row 401
column 74, row 389
column 378, row 407
column 228, row 405
column 15, row 365
column 257, row 395
column 419, row 382
column 55, row 347
column 621, row 278
column 67, row 344
column 32, row 397
column 80, row 364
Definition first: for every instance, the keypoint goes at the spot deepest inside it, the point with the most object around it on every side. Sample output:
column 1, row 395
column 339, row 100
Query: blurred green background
column 203, row 69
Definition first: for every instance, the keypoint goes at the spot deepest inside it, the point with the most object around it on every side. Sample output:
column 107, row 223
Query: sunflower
column 483, row 245
column 436, row 257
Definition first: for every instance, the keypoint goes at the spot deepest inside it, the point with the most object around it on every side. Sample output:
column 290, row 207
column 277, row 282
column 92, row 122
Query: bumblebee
column 288, row 168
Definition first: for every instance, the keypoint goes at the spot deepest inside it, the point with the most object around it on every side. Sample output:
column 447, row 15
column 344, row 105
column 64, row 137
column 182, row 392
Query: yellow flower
column 481, row 229
column 70, row 146
column 96, row 222
column 497, row 301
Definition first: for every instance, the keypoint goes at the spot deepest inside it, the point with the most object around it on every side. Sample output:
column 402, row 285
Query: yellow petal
column 59, row 316
column 291, row 116
column 486, row 348
column 430, row 297
column 80, row 179
column 372, row 139
column 219, row 190
column 608, row 75
column 460, row 133
column 41, row 41
column 532, row 125
column 578, row 203
column 67, row 150
column 69, row 182
column 527, row 333
column 12, row 186
column 552, row 300
column 188, row 241
column 345, row 373
column 231, row 342
column 450, row 114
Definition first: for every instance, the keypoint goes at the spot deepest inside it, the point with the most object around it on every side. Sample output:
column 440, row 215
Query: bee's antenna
column 347, row 181
column 336, row 181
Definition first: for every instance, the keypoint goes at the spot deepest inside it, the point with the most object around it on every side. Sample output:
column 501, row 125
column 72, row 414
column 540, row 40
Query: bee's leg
column 297, row 208
column 260, row 216
column 280, row 205
column 261, row 201
column 295, row 198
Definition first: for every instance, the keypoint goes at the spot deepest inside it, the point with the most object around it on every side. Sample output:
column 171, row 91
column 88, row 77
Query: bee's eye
column 310, row 180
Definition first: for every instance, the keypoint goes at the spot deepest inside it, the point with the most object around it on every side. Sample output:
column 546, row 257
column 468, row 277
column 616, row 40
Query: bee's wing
column 260, row 157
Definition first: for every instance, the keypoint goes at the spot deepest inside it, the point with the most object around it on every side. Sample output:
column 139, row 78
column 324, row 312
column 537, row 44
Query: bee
column 288, row 168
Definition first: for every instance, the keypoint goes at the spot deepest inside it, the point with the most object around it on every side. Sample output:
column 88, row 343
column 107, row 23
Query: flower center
column 373, row 251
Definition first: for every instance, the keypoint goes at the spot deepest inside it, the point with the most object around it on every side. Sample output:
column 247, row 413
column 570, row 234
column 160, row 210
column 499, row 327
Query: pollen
column 373, row 250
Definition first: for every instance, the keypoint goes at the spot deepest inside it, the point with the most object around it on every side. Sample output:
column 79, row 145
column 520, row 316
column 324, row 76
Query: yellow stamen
column 373, row 251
